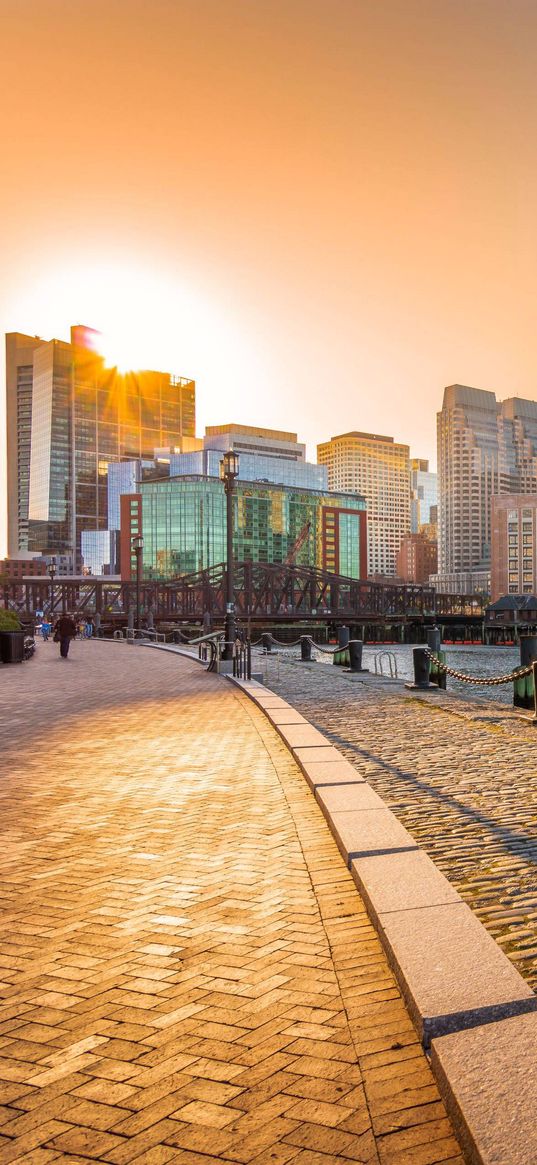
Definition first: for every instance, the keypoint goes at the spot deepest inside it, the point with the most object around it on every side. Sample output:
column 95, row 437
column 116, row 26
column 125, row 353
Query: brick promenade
column 187, row 971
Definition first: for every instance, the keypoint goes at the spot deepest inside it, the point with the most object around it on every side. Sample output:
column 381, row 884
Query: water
column 474, row 660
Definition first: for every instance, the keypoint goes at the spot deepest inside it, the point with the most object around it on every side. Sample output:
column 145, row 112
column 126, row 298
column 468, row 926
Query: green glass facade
column 184, row 527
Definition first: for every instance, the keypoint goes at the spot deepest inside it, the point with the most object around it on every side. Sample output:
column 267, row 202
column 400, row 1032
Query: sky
column 321, row 210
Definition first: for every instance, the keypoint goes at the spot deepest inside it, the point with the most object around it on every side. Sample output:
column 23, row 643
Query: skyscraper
column 68, row 415
column 423, row 495
column 377, row 468
column 485, row 447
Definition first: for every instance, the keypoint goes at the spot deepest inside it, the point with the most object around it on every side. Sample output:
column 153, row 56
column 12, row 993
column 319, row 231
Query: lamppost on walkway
column 52, row 575
column 229, row 469
column 137, row 546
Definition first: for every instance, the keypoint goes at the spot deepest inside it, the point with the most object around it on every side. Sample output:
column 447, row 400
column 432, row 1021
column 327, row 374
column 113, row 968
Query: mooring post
column 421, row 671
column 523, row 688
column 305, row 648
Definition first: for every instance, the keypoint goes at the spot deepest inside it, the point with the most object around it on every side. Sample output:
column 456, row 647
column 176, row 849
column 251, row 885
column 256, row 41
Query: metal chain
column 282, row 643
column 494, row 681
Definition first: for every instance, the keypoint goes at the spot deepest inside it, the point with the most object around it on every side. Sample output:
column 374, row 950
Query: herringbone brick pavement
column 187, row 971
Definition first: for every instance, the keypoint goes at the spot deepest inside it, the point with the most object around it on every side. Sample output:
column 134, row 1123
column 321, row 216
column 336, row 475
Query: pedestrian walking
column 65, row 630
column 45, row 630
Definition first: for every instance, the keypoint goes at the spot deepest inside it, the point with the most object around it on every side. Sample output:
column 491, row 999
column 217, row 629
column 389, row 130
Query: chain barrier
column 281, row 643
column 493, row 681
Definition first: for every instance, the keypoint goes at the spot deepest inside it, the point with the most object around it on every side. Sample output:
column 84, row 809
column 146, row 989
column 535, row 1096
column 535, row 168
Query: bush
column 9, row 621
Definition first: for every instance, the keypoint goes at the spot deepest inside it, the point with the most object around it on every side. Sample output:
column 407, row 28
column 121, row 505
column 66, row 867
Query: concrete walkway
column 188, row 973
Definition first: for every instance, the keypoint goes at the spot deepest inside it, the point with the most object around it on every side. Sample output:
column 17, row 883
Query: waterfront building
column 183, row 520
column 377, row 468
column 466, row 582
column 68, row 416
column 514, row 545
column 417, row 559
column 485, row 447
column 423, row 495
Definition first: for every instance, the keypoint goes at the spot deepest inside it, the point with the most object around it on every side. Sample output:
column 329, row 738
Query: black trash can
column 12, row 646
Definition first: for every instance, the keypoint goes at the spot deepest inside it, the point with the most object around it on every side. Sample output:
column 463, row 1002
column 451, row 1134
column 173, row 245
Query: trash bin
column 12, row 646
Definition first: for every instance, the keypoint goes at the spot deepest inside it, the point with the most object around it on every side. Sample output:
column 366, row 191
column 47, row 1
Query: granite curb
column 469, row 1004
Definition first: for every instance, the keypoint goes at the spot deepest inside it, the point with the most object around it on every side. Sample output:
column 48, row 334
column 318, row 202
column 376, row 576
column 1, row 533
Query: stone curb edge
column 468, row 1002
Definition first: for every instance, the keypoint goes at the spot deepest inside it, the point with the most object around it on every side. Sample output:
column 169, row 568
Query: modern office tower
column 377, row 468
column 68, row 415
column 417, row 559
column 514, row 545
column 19, row 384
column 423, row 495
column 485, row 447
column 250, row 439
column 184, row 526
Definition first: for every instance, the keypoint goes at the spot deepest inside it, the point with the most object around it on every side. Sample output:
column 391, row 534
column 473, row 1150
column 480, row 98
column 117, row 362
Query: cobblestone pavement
column 461, row 774
column 188, row 973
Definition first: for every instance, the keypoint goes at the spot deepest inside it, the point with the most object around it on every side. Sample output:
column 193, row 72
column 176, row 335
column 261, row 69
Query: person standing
column 65, row 631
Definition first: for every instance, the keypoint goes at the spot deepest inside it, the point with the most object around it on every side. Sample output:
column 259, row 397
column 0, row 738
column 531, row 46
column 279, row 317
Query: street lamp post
column 52, row 574
column 138, row 545
column 229, row 469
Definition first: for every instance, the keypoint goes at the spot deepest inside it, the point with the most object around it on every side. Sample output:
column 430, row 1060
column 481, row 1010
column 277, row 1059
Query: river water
column 472, row 660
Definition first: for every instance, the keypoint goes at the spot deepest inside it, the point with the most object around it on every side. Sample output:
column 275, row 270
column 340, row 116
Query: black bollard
column 434, row 639
column 421, row 672
column 266, row 641
column 355, row 655
column 305, row 649
column 343, row 637
column 523, row 696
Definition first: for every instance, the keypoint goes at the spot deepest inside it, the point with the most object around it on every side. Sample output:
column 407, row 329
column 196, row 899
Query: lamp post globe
column 229, row 471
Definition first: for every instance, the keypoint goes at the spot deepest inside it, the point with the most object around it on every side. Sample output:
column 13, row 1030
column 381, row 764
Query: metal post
column 137, row 588
column 523, row 696
column 343, row 636
column 533, row 719
column 229, row 469
column 305, row 649
column 52, row 572
column 355, row 655
column 434, row 639
column 421, row 671
column 230, row 590
column 138, row 545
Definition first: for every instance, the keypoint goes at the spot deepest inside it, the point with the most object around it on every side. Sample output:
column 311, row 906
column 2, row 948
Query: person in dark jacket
column 65, row 630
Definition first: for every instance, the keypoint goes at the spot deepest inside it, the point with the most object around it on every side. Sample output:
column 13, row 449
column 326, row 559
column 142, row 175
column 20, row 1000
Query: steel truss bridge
column 263, row 592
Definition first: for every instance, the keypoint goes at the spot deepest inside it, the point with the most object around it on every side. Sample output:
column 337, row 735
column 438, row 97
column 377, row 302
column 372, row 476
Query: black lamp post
column 52, row 575
column 229, row 469
column 137, row 546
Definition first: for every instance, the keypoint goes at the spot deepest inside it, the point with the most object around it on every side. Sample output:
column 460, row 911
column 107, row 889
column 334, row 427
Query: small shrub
column 9, row 621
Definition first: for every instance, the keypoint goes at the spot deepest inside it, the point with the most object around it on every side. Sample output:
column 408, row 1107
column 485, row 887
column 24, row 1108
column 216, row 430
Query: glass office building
column 69, row 415
column 184, row 526
column 253, row 467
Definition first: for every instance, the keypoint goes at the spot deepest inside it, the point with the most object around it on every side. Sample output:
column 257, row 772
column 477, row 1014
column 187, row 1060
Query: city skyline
column 322, row 218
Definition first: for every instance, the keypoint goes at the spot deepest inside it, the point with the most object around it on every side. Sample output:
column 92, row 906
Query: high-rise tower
column 377, row 468
column 68, row 415
column 485, row 447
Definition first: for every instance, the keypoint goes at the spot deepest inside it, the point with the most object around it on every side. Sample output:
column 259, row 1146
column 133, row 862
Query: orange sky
column 325, row 209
